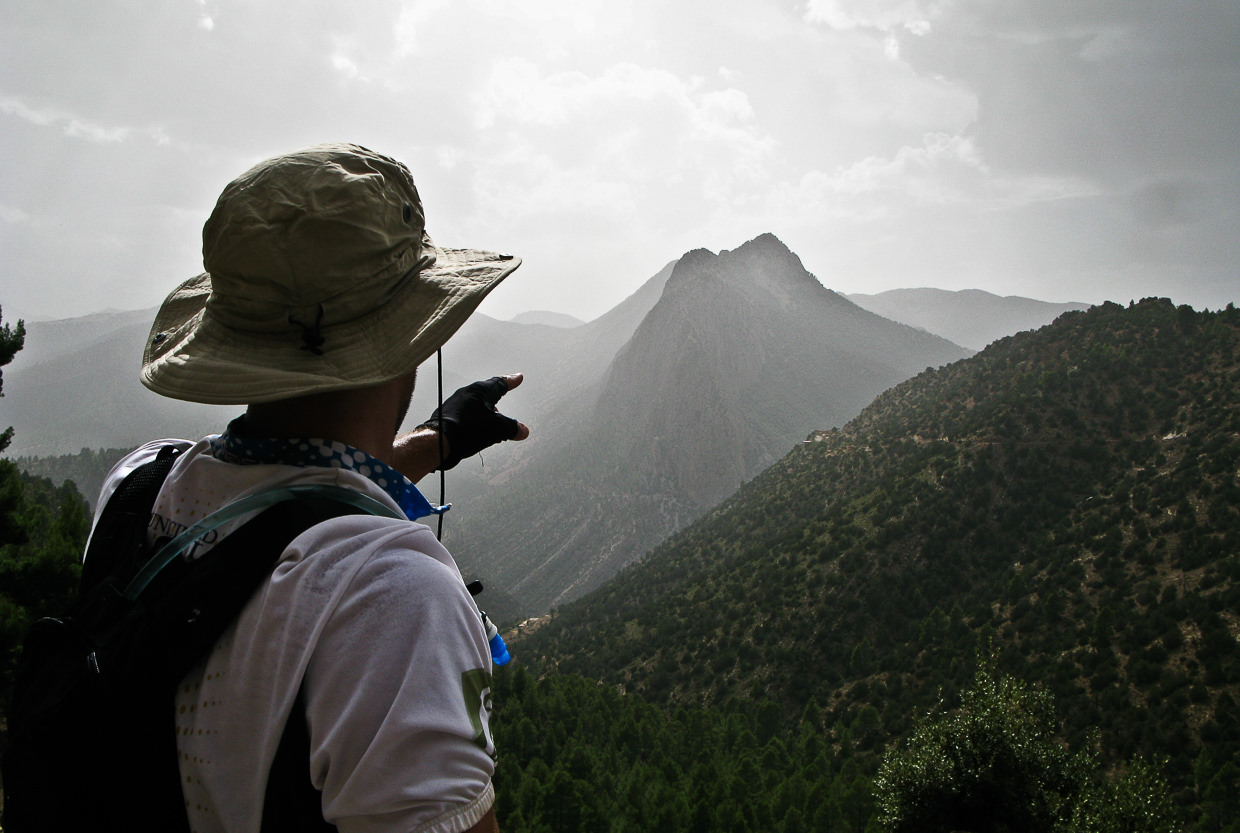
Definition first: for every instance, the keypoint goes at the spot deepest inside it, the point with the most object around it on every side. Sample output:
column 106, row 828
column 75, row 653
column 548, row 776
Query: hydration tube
column 443, row 499
column 171, row 550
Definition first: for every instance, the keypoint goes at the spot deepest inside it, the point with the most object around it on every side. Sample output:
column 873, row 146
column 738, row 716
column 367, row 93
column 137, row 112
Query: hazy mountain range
column 969, row 317
column 642, row 419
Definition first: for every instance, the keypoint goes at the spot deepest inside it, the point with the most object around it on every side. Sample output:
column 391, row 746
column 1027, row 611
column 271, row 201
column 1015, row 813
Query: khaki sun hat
column 319, row 276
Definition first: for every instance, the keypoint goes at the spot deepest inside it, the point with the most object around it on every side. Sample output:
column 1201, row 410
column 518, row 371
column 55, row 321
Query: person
column 322, row 294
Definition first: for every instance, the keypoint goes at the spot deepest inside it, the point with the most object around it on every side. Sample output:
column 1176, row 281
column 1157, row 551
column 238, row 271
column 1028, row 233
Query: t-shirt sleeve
column 398, row 696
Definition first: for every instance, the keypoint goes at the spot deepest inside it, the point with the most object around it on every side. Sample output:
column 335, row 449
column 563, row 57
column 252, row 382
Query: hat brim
column 191, row 355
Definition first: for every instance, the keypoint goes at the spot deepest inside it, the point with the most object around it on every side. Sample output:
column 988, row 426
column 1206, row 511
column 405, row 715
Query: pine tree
column 42, row 532
column 11, row 341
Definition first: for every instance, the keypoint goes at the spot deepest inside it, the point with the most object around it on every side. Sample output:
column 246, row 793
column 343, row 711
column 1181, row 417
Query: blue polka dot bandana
column 233, row 446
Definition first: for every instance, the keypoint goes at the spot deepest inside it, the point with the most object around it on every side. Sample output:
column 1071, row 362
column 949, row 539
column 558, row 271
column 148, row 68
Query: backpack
column 92, row 740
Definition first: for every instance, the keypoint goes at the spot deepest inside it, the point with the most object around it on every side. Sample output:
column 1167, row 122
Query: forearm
column 417, row 453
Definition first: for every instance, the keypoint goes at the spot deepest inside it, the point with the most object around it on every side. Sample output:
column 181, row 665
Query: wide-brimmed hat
column 319, row 276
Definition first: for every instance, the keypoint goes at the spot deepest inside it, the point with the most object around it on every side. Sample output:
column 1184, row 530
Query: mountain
column 75, row 385
column 557, row 361
column 969, row 317
column 550, row 319
column 1067, row 498
column 744, row 353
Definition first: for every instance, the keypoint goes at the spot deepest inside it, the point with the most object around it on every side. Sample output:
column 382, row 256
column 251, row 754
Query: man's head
column 319, row 276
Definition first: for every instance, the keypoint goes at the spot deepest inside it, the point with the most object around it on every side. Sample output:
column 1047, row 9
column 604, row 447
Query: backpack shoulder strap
column 291, row 802
column 118, row 541
column 225, row 579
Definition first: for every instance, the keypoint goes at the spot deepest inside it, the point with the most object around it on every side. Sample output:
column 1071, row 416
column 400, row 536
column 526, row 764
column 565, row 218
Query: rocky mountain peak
column 762, row 270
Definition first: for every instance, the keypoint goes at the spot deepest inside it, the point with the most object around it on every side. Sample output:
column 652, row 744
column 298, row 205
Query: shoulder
column 377, row 543
column 364, row 559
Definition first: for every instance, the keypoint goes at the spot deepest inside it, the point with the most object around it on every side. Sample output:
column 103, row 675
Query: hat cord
column 311, row 334
column 442, row 480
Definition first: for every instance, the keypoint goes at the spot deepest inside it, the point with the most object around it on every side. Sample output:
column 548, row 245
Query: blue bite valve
column 499, row 651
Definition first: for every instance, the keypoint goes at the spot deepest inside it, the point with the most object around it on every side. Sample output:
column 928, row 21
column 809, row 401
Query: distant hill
column 744, row 353
column 970, row 317
column 87, row 469
column 547, row 319
column 1069, row 496
column 75, row 385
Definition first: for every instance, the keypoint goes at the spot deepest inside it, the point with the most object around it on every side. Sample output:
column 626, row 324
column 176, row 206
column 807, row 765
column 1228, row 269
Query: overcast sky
column 1065, row 150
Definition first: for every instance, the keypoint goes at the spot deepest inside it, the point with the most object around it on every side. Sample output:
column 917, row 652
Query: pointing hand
column 470, row 422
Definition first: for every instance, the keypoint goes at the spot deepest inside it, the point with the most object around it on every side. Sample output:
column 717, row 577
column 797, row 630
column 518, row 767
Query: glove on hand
column 469, row 421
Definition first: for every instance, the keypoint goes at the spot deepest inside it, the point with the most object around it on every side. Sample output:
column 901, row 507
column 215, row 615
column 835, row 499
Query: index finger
column 492, row 390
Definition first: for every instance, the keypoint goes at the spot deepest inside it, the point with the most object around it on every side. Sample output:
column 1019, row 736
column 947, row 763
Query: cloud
column 636, row 134
column 205, row 21
column 864, row 132
column 914, row 171
column 1111, row 91
column 517, row 89
column 945, row 170
column 557, row 28
column 43, row 117
column 9, row 214
column 914, row 16
column 75, row 126
column 412, row 19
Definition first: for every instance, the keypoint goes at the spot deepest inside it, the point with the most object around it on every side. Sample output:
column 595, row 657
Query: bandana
column 234, row 446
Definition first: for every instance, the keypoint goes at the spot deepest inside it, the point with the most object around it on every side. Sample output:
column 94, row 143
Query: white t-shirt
column 373, row 615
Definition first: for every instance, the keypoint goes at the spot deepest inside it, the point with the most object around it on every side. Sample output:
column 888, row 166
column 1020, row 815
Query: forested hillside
column 87, row 469
column 1068, row 495
column 43, row 530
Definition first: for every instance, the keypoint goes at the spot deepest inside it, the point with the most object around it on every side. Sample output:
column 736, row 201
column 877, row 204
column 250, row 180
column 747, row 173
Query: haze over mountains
column 642, row 419
column 75, row 385
column 969, row 317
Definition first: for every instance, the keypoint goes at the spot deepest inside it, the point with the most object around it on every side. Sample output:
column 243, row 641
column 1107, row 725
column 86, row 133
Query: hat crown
column 320, row 277
column 332, row 227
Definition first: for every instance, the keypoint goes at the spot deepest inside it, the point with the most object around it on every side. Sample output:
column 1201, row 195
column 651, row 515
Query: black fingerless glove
column 469, row 422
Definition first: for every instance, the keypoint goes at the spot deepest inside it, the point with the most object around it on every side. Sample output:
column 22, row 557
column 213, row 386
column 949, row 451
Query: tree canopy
column 12, row 339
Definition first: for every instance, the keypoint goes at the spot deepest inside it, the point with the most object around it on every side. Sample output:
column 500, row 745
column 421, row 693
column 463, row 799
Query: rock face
column 743, row 355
